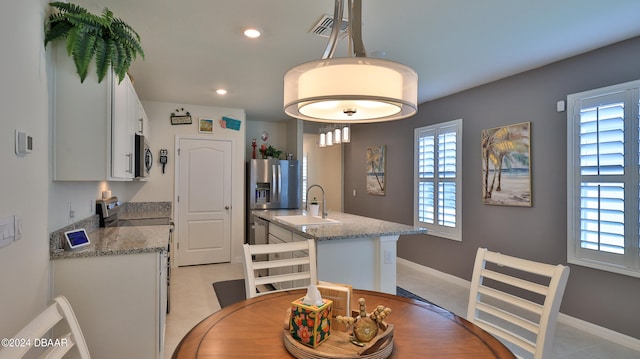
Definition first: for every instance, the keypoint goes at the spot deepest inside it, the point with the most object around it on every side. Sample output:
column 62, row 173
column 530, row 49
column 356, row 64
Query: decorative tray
column 339, row 346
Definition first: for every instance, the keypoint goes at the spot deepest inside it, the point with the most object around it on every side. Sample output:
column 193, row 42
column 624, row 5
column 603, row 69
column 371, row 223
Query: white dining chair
column 289, row 266
column 36, row 334
column 517, row 300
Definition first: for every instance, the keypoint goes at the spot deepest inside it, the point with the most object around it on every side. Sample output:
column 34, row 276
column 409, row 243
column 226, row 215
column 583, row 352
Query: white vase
column 314, row 209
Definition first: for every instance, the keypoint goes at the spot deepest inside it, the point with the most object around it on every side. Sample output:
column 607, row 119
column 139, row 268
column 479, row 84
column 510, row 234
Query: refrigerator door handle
column 276, row 178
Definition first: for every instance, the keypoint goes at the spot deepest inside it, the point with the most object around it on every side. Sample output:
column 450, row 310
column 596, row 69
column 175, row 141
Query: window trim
column 454, row 233
column 629, row 262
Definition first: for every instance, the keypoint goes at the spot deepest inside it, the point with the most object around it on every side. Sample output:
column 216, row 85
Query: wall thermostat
column 24, row 143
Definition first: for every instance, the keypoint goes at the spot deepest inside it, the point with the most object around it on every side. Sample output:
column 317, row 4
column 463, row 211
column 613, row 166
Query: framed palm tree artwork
column 376, row 162
column 506, row 165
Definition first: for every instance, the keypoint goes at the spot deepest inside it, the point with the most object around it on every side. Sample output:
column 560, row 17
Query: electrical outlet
column 7, row 230
column 72, row 213
column 388, row 258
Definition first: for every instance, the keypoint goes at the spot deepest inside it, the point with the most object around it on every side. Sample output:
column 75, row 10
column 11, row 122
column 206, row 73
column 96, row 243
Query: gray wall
column 537, row 233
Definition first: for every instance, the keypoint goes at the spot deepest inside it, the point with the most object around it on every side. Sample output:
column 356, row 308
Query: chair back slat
column 517, row 300
column 57, row 313
column 289, row 264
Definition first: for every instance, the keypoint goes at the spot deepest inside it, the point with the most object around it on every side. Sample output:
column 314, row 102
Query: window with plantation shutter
column 602, row 179
column 438, row 181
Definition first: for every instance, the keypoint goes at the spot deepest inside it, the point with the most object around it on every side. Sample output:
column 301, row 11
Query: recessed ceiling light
column 252, row 32
column 221, row 91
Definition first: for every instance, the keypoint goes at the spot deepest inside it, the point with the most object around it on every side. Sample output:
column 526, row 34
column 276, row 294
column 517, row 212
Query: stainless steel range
column 108, row 210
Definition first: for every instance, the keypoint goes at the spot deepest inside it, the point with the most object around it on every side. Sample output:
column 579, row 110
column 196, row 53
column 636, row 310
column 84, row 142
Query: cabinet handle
column 130, row 155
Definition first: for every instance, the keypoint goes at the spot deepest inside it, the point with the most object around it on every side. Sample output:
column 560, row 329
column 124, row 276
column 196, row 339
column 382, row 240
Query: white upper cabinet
column 123, row 127
column 94, row 124
column 142, row 126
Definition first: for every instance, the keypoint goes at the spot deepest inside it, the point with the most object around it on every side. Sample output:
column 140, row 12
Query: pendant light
column 334, row 135
column 354, row 89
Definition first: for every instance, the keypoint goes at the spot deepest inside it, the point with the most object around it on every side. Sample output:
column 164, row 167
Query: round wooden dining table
column 253, row 328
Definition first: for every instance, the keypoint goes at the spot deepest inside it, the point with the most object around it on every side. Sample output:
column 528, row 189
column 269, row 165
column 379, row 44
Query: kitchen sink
column 304, row 220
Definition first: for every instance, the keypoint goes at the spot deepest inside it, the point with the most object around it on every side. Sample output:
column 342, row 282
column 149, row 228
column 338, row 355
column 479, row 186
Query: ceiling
column 193, row 47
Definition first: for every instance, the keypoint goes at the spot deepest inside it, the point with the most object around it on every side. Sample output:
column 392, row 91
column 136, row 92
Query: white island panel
column 353, row 250
column 365, row 263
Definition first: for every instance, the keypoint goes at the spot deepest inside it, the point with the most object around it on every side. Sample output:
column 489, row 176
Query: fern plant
column 110, row 40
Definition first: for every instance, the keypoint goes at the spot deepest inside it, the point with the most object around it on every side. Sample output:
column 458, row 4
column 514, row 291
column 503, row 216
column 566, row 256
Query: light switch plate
column 7, row 231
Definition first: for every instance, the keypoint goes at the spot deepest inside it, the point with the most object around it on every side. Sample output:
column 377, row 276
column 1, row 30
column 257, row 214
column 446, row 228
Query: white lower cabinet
column 119, row 300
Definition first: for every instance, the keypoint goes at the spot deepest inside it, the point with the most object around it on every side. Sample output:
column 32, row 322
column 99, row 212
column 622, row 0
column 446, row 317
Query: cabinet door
column 81, row 124
column 123, row 122
column 119, row 314
column 141, row 119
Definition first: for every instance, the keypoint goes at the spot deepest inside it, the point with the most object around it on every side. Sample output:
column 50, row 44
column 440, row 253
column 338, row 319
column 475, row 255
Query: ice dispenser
column 263, row 193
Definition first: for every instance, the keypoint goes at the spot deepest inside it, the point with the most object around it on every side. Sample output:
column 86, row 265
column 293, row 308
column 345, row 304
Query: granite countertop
column 349, row 226
column 144, row 210
column 120, row 240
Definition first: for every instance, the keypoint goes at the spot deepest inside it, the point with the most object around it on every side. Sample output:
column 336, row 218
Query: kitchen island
column 350, row 249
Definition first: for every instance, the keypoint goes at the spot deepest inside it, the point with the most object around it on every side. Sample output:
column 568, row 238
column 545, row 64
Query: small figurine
column 253, row 144
column 365, row 327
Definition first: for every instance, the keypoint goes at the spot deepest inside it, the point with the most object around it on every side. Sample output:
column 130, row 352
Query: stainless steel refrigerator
column 271, row 184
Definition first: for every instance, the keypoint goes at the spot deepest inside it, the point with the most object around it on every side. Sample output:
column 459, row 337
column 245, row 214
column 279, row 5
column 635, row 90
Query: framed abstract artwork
column 376, row 163
column 506, row 165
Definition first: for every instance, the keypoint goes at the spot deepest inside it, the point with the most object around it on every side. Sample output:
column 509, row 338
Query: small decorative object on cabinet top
column 253, row 152
column 110, row 40
column 270, row 152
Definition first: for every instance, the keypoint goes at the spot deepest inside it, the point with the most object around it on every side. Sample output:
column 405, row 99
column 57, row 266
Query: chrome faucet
column 324, row 200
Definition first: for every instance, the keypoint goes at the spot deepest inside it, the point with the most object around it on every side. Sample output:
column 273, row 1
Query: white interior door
column 203, row 201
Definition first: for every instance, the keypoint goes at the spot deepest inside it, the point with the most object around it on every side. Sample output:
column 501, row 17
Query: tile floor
column 192, row 299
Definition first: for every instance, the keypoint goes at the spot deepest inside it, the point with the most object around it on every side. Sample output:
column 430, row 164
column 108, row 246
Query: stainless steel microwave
column 143, row 159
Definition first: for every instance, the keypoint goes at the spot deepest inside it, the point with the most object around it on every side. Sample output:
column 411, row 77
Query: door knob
column 226, row 207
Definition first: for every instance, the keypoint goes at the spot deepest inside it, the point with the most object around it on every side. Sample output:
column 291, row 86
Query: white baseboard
column 602, row 332
column 436, row 273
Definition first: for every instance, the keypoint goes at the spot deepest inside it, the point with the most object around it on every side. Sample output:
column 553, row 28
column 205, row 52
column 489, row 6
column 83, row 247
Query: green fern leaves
column 108, row 40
